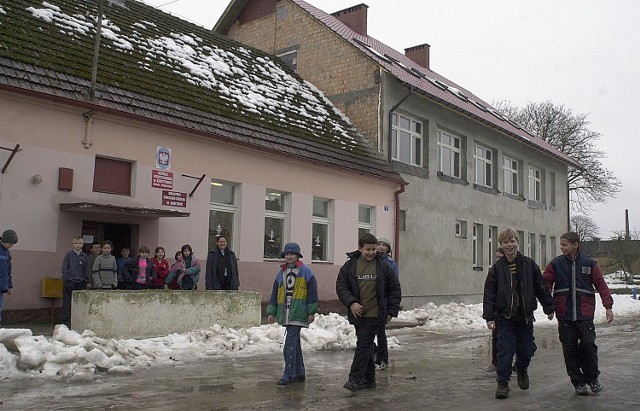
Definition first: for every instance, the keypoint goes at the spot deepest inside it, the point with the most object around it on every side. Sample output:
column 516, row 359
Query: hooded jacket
column 5, row 270
column 388, row 290
column 498, row 296
column 305, row 296
column 573, row 283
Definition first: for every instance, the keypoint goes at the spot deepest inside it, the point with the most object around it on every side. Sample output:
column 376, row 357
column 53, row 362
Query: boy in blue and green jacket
column 293, row 303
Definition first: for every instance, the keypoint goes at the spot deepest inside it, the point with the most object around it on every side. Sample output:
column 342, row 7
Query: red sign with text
column 174, row 199
column 161, row 179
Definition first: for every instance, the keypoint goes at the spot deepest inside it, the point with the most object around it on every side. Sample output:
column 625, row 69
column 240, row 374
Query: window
column 521, row 243
column 449, row 152
column 403, row 220
column 461, row 229
column 554, row 245
column 320, row 230
column 535, row 184
column 552, row 188
column 476, row 245
column 365, row 219
column 493, row 243
column 112, row 176
column 275, row 223
column 531, row 246
column 511, row 176
column 406, row 140
column 222, row 211
column 483, row 160
column 543, row 250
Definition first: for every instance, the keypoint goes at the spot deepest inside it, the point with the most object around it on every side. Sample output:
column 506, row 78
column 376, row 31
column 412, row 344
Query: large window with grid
column 511, row 178
column 449, row 153
column 320, row 230
column 483, row 162
column 275, row 222
column 535, row 184
column 222, row 211
column 406, row 139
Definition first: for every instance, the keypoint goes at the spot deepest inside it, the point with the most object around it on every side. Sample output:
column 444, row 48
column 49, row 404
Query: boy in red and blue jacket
column 293, row 303
column 575, row 278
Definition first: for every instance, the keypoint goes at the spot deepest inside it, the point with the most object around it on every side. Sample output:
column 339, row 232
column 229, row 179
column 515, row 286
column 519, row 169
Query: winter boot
column 523, row 379
column 503, row 390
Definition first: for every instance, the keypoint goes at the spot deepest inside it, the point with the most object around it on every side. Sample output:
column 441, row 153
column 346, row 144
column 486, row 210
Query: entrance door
column 118, row 234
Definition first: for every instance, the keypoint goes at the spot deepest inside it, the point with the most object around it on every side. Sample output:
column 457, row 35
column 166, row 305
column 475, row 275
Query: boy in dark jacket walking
column 573, row 277
column 513, row 284
column 370, row 290
column 76, row 273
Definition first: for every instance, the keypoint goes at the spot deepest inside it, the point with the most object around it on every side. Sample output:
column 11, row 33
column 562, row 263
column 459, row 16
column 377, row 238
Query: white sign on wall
column 163, row 158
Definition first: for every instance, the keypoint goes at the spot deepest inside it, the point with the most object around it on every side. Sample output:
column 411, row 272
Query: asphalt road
column 438, row 371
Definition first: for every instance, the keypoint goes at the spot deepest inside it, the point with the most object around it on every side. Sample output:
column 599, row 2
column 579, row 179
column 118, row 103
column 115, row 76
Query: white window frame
column 460, row 229
column 535, row 184
column 511, row 176
column 483, row 165
column 326, row 221
column 453, row 153
column 277, row 215
column 227, row 208
column 476, row 245
column 369, row 226
column 415, row 138
column 531, row 246
column 493, row 242
column 552, row 188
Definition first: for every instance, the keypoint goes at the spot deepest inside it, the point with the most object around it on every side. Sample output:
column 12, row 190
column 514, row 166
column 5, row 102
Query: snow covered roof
column 418, row 78
column 159, row 67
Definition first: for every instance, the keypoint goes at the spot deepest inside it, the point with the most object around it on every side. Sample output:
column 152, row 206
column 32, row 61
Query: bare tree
column 623, row 255
column 569, row 133
column 584, row 226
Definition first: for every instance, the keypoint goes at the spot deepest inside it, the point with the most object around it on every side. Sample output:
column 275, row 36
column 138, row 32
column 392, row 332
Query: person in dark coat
column 75, row 276
column 513, row 284
column 575, row 278
column 370, row 290
column 222, row 267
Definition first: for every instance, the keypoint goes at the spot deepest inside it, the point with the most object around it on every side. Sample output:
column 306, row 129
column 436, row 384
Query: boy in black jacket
column 369, row 288
column 513, row 284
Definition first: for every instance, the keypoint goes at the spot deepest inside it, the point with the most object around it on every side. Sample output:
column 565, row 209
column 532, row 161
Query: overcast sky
column 579, row 53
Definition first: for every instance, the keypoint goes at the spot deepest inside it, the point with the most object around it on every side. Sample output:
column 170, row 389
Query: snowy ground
column 76, row 357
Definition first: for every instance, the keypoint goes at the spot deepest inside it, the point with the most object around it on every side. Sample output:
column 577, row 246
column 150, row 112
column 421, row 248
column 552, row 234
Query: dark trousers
column 382, row 349
column 363, row 369
column 514, row 337
column 494, row 347
column 578, row 340
column 68, row 287
column 292, row 352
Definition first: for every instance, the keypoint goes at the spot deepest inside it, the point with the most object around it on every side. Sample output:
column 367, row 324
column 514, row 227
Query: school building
column 172, row 134
column 471, row 171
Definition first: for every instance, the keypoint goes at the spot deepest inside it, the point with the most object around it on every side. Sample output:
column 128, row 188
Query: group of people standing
column 513, row 287
column 99, row 269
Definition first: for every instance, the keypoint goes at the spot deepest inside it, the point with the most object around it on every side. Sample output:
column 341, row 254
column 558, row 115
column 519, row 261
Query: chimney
column 355, row 17
column 419, row 54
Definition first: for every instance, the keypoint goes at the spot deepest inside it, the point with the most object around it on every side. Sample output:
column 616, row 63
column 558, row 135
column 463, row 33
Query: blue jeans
column 293, row 361
column 514, row 337
column 363, row 369
column 1, row 304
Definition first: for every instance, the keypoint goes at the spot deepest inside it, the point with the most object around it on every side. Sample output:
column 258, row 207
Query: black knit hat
column 9, row 237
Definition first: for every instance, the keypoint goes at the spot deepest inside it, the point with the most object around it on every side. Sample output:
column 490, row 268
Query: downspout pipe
column 396, row 231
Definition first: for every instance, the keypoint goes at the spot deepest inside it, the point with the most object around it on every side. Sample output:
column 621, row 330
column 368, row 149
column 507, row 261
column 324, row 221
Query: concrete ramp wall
column 153, row 313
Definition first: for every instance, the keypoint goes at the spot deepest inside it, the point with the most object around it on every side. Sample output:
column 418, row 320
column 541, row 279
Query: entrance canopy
column 121, row 210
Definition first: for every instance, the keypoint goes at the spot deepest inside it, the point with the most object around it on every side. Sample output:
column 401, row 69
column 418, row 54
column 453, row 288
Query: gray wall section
column 152, row 313
column 436, row 265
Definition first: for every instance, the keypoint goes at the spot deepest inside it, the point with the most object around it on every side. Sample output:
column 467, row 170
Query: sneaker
column 490, row 369
column 284, row 381
column 351, row 386
column 523, row 379
column 503, row 390
column 595, row 386
column 382, row 366
column 581, row 389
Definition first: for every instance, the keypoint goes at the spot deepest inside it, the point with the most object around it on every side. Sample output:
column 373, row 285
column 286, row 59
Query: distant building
column 471, row 171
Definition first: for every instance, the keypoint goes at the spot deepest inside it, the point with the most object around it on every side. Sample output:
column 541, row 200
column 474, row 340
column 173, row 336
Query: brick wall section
column 344, row 73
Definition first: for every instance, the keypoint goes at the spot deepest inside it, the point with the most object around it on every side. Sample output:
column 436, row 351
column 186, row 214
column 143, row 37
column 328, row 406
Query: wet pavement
column 430, row 370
